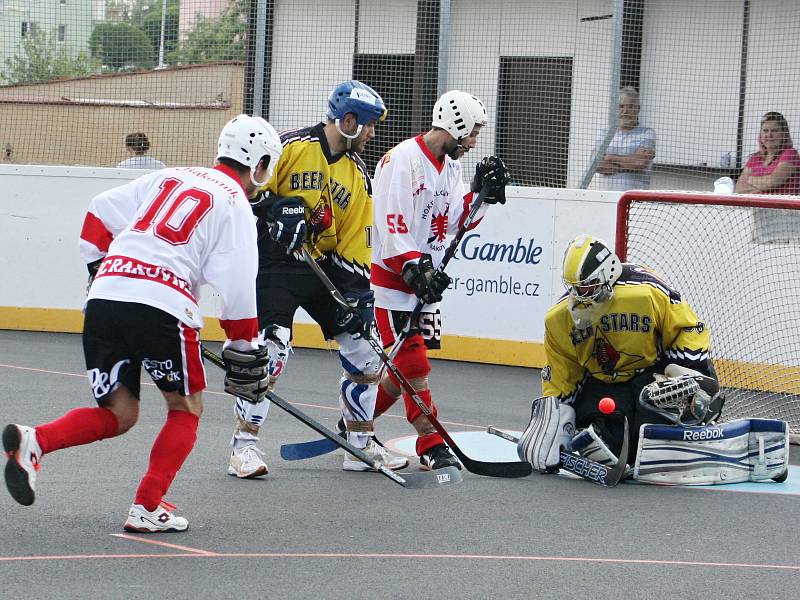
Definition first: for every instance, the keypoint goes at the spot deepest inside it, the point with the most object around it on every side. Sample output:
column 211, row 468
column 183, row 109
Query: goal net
column 736, row 260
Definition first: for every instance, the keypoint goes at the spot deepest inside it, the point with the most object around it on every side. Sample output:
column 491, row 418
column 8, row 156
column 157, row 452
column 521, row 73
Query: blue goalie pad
column 732, row 452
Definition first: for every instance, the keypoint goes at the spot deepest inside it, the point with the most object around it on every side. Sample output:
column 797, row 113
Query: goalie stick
column 303, row 450
column 583, row 467
column 490, row 469
column 432, row 479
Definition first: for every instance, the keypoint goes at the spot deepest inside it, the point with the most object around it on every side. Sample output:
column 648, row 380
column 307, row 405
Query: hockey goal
column 736, row 260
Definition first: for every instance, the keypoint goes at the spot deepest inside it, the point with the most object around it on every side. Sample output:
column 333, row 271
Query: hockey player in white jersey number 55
column 420, row 198
column 149, row 245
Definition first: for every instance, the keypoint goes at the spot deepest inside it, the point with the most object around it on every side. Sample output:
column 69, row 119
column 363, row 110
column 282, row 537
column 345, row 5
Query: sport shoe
column 375, row 452
column 141, row 520
column 24, row 456
column 246, row 463
column 438, row 457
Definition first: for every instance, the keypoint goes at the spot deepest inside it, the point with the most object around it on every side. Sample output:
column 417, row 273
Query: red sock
column 172, row 446
column 384, row 401
column 424, row 442
column 78, row 426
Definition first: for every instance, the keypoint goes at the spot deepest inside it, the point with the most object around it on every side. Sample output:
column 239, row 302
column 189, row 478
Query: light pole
column 161, row 38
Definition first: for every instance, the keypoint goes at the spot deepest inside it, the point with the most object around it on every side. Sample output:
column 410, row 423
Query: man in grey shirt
column 628, row 161
column 138, row 145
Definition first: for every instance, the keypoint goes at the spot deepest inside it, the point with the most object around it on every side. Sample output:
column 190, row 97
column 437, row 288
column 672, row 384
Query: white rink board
column 498, row 296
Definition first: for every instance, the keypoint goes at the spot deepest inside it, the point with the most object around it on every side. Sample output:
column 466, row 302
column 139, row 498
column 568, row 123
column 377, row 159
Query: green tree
column 121, row 46
column 151, row 25
column 40, row 57
column 221, row 38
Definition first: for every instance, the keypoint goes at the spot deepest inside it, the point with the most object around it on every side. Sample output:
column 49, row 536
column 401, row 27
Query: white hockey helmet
column 458, row 112
column 590, row 269
column 247, row 139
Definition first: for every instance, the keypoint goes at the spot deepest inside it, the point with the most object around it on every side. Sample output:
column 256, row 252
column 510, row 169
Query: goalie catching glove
column 287, row 224
column 358, row 319
column 427, row 283
column 683, row 396
column 492, row 176
column 247, row 373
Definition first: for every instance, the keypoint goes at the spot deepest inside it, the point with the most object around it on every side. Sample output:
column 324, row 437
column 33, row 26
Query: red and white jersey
column 168, row 232
column 417, row 201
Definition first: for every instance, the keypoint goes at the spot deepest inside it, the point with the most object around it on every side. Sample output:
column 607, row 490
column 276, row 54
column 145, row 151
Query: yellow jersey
column 337, row 194
column 646, row 321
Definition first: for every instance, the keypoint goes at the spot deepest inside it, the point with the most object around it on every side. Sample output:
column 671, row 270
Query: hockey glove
column 492, row 175
column 427, row 283
column 357, row 320
column 247, row 373
column 288, row 224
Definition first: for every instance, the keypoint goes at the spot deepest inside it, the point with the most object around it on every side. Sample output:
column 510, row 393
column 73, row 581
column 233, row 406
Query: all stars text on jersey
column 614, row 322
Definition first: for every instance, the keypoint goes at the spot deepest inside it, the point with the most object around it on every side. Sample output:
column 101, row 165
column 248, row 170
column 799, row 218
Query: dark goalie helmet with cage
column 589, row 272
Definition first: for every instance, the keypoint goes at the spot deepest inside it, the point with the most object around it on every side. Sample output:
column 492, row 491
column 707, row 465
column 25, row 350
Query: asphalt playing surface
column 311, row 530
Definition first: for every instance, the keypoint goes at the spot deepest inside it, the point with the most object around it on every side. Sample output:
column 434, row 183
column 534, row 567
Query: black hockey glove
column 93, row 267
column 288, row 223
column 357, row 320
column 428, row 283
column 493, row 176
column 247, row 373
column 261, row 205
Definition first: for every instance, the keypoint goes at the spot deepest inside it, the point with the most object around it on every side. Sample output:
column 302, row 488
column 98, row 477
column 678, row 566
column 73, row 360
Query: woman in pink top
column 775, row 168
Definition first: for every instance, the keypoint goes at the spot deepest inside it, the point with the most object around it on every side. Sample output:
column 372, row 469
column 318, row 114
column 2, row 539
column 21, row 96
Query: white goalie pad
column 732, row 452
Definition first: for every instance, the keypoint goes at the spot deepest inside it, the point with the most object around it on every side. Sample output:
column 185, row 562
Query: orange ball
column 607, row 405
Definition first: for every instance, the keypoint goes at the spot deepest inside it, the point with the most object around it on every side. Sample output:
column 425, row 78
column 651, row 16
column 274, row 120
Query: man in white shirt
column 149, row 245
column 628, row 161
column 419, row 198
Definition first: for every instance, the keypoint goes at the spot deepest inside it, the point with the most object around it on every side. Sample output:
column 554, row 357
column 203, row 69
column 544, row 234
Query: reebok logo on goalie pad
column 712, row 433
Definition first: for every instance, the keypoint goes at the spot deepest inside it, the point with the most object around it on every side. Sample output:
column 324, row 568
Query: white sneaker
column 246, row 463
column 141, row 520
column 375, row 452
column 24, row 461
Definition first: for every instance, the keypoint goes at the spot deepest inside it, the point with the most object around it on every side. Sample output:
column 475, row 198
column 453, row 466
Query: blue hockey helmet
column 357, row 98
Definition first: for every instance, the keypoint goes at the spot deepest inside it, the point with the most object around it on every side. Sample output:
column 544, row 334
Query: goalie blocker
column 732, row 452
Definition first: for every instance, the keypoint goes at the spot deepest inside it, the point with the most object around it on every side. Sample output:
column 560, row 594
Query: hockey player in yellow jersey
column 320, row 198
column 620, row 329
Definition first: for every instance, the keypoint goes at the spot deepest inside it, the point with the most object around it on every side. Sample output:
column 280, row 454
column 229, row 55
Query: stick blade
column 432, row 479
column 496, row 469
column 304, row 450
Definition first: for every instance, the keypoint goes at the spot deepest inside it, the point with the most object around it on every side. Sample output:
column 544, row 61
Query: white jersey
column 417, row 201
column 168, row 232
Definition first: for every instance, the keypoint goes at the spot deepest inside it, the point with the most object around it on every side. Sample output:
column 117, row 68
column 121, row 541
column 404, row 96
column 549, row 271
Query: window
column 392, row 76
column 62, row 33
column 533, row 118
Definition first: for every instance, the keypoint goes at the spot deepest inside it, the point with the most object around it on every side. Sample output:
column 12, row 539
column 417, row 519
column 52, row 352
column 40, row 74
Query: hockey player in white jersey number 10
column 622, row 331
column 149, row 245
column 420, row 198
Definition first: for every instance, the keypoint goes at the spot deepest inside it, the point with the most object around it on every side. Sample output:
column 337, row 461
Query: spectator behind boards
column 774, row 168
column 138, row 145
column 628, row 161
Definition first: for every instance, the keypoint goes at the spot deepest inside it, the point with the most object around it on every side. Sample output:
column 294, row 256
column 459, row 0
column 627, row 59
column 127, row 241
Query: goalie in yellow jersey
column 620, row 329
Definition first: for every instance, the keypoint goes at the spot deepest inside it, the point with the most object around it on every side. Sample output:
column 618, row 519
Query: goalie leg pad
column 733, row 452
column 551, row 427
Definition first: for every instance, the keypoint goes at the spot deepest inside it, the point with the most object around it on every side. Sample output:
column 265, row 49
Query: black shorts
column 280, row 294
column 119, row 338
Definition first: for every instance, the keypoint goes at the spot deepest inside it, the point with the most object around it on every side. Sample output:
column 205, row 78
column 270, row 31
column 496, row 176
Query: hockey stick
column 438, row 478
column 583, row 467
column 490, row 469
column 304, row 450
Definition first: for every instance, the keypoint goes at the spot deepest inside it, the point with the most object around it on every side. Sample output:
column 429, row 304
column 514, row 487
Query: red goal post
column 736, row 260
